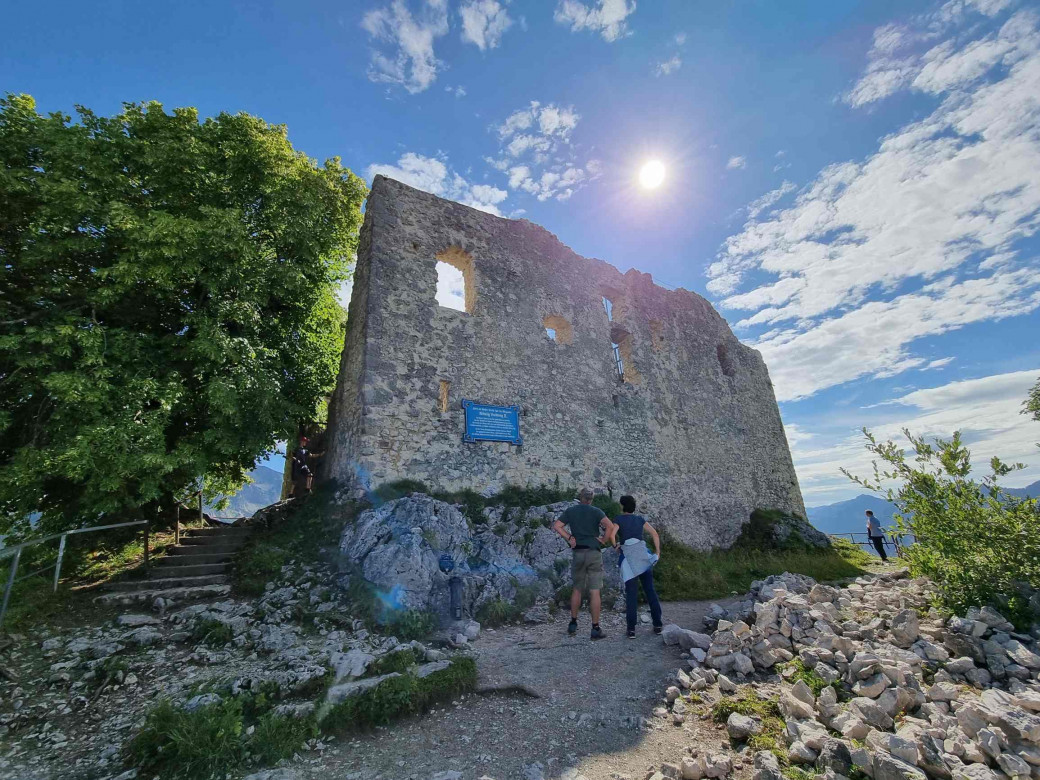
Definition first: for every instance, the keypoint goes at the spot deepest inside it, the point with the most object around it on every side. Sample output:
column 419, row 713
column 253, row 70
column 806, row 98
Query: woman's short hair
column 628, row 503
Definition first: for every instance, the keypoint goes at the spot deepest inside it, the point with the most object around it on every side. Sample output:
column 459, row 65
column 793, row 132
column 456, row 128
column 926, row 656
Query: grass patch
column 747, row 702
column 802, row 672
column 792, row 772
column 212, row 632
column 401, row 696
column 687, row 574
column 499, row 612
column 399, row 661
column 515, row 500
column 209, row 742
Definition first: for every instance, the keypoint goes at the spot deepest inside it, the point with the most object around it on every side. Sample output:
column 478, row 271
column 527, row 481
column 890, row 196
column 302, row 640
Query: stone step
column 177, row 595
column 167, row 581
column 234, row 543
column 215, row 548
column 195, row 556
column 195, row 570
column 229, row 531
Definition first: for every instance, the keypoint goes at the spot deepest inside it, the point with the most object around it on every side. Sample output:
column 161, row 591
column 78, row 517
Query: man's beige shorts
column 587, row 570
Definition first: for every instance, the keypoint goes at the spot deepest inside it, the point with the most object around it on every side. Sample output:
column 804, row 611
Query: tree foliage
column 1032, row 404
column 167, row 302
column 977, row 542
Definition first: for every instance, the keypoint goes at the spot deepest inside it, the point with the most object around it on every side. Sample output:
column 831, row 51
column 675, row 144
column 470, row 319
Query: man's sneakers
column 658, row 629
column 572, row 628
column 631, row 633
column 597, row 632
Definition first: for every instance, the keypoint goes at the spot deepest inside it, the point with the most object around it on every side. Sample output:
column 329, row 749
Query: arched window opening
column 455, row 284
column 558, row 329
column 608, row 307
column 622, row 343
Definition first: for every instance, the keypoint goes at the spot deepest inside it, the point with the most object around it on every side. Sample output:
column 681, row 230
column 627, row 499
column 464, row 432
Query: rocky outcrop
column 398, row 547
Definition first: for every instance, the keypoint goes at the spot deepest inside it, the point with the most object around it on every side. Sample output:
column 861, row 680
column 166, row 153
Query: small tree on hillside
column 1032, row 404
column 167, row 302
column 974, row 540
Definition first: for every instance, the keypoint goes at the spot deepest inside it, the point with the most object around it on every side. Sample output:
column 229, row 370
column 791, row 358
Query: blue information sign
column 492, row 423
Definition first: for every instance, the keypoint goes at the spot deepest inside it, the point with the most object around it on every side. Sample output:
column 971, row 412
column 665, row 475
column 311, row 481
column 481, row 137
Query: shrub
column 610, row 507
column 256, row 566
column 973, row 539
column 410, row 624
column 391, row 491
column 398, row 661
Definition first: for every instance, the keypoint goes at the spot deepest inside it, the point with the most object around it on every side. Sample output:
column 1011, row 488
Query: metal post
column 10, row 584
column 177, row 524
column 146, row 545
column 57, row 566
column 202, row 520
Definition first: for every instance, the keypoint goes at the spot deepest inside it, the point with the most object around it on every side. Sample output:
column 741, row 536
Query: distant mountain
column 265, row 489
column 1029, row 491
column 849, row 516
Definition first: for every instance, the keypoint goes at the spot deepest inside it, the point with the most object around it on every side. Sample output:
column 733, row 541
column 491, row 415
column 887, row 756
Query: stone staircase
column 197, row 568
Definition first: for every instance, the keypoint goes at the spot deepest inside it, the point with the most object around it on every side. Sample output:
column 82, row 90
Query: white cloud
column 433, row 175
column 668, row 66
column 537, row 152
column 459, row 91
column 987, row 412
column 451, row 287
column 942, row 205
column 607, row 17
column 405, row 55
column 770, row 199
column 736, row 162
column 483, row 23
column 680, row 39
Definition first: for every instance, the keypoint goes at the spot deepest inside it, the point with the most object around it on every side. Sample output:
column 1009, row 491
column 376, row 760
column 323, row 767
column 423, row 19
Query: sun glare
column 651, row 175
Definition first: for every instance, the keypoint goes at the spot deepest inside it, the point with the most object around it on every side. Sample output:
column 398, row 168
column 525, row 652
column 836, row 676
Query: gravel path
column 544, row 698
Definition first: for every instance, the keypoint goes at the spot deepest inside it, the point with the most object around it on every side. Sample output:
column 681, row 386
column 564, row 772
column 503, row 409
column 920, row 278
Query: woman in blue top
column 630, row 527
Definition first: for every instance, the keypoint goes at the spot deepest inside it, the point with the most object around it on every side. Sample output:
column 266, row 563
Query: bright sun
column 651, row 175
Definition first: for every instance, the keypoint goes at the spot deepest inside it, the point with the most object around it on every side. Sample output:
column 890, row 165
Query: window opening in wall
column 608, row 306
column 558, row 329
column 622, row 343
column 445, row 389
column 455, row 285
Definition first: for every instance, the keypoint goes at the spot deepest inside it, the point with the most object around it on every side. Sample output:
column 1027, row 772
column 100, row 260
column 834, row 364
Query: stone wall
column 693, row 430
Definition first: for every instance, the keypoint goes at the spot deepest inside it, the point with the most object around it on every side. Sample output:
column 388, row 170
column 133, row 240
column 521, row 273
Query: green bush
column 410, row 624
column 610, row 507
column 209, row 742
column 400, row 696
column 256, row 566
column 391, row 491
column 398, row 661
column 973, row 539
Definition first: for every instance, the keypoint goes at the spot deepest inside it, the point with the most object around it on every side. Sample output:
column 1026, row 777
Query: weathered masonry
column 621, row 384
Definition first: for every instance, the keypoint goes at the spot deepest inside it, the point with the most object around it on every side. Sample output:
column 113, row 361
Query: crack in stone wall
column 695, row 434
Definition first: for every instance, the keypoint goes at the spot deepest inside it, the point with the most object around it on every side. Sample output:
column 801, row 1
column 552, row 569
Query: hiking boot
column 631, row 633
column 658, row 629
column 572, row 627
column 597, row 632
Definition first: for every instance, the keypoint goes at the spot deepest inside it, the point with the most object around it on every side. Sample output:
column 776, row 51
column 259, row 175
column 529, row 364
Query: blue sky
column 856, row 186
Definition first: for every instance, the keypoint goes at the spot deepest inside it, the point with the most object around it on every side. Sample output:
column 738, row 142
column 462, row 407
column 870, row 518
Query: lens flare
column 651, row 175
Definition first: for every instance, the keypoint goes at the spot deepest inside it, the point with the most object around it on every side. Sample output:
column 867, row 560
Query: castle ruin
column 615, row 382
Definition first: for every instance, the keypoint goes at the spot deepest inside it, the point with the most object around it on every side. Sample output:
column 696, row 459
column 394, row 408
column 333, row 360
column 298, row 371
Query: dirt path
column 546, row 698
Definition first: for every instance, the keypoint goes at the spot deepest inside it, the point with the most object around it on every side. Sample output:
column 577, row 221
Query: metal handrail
column 895, row 541
column 15, row 551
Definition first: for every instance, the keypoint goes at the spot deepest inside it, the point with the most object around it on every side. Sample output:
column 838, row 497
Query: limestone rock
column 740, row 727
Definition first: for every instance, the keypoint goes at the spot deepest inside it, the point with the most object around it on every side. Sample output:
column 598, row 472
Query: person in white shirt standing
column 876, row 535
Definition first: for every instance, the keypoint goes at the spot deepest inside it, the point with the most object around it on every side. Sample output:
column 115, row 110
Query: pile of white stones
column 906, row 695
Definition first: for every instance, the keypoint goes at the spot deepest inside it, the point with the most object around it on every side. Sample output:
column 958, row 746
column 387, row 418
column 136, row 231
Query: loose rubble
column 897, row 692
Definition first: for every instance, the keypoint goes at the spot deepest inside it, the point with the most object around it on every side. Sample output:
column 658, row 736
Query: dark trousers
column 879, row 545
column 632, row 598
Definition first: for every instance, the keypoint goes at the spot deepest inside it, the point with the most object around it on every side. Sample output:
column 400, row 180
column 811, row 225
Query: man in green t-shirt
column 588, row 532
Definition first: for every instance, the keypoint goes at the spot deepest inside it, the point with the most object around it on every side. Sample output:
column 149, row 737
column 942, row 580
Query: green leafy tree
column 1032, row 404
column 167, row 303
column 978, row 543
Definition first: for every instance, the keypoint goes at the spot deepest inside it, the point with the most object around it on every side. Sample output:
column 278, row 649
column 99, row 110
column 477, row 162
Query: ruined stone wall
column 693, row 431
